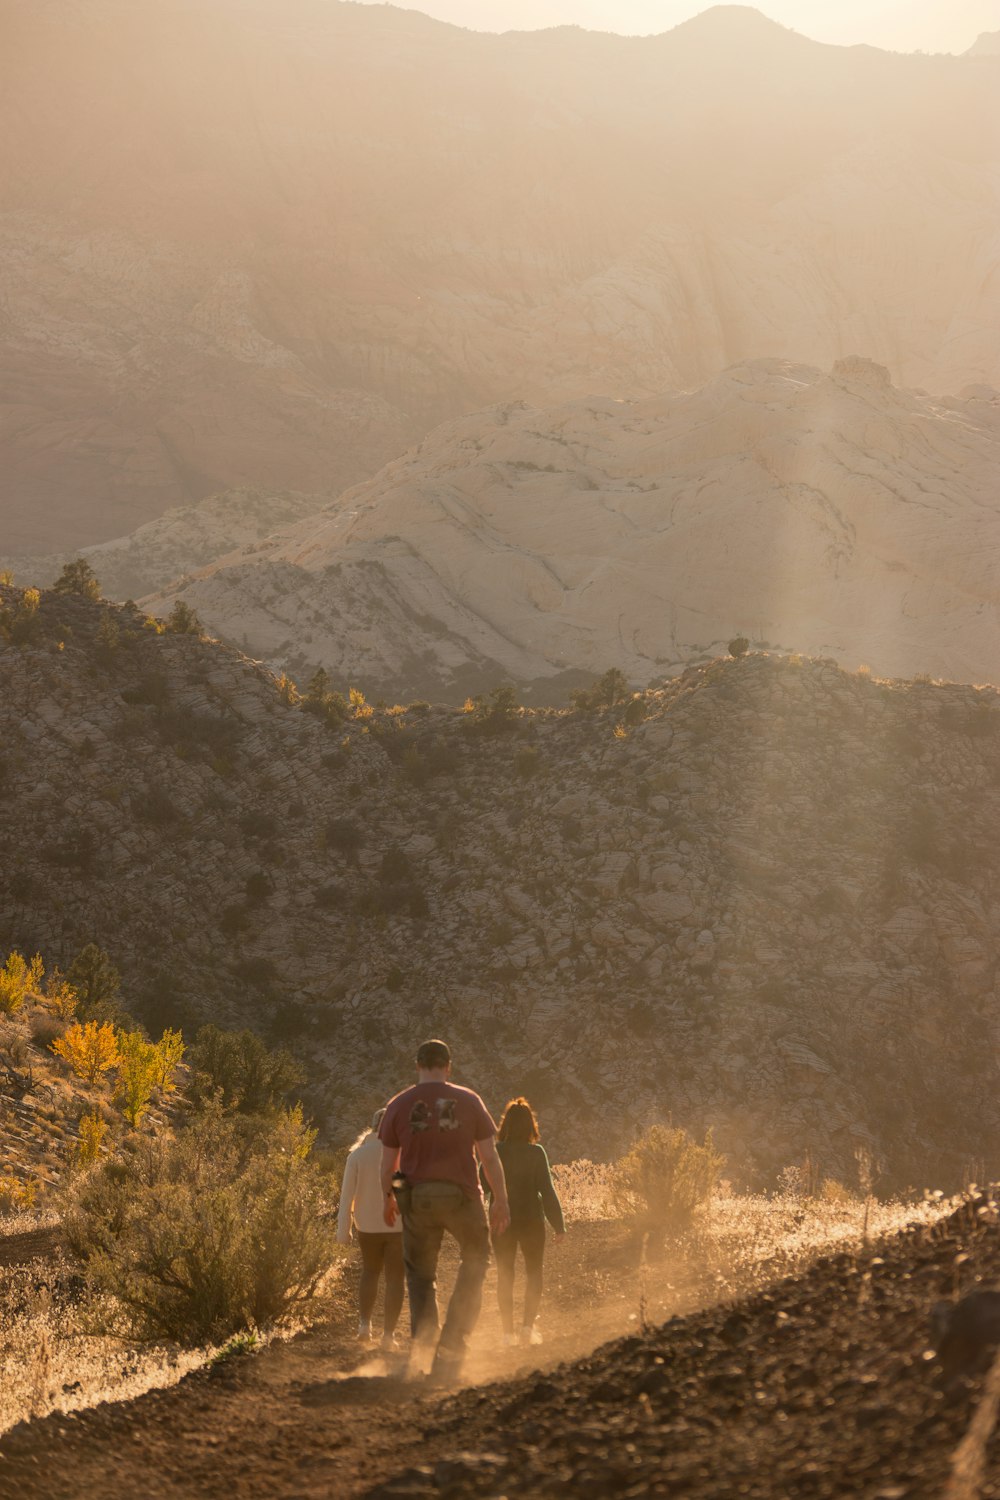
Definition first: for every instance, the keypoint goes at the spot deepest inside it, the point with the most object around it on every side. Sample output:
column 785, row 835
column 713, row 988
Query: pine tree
column 94, row 978
column 78, row 577
column 182, row 619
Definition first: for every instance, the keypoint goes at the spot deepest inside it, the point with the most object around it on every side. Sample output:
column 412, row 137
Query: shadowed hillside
column 768, row 907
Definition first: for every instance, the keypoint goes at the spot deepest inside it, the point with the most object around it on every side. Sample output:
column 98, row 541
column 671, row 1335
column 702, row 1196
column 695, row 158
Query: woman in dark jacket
column 533, row 1199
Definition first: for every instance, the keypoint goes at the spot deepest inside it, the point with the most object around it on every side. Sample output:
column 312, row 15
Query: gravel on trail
column 819, row 1387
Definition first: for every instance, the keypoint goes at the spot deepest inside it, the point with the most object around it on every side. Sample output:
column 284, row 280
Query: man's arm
column 390, row 1161
column 493, row 1167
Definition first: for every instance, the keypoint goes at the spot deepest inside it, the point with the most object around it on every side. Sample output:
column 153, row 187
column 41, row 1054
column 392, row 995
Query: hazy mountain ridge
column 190, row 307
column 770, row 908
column 178, row 542
column 832, row 513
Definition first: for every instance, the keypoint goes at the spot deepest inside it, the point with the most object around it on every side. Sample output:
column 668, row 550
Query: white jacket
column 361, row 1193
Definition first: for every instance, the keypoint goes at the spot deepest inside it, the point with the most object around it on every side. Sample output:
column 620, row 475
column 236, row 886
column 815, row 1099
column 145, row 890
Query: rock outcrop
column 274, row 243
column 769, row 907
column 834, row 514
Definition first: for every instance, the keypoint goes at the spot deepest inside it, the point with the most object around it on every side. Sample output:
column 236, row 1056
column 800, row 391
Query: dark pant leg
column 422, row 1232
column 393, row 1280
column 372, row 1253
column 505, row 1250
column 467, row 1222
column 532, row 1238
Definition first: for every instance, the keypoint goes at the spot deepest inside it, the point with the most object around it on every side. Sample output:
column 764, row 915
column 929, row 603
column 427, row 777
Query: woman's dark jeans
column 530, row 1237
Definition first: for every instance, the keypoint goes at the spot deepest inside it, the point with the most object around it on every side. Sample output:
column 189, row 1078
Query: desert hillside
column 831, row 513
column 762, row 899
column 273, row 244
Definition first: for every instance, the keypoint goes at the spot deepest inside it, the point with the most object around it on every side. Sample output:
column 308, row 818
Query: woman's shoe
column 364, row 1332
column 510, row 1340
column 530, row 1336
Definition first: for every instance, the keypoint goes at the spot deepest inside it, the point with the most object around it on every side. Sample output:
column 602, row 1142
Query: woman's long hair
column 518, row 1123
column 372, row 1129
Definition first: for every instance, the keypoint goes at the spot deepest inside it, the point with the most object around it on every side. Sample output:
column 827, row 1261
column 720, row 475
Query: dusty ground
column 816, row 1388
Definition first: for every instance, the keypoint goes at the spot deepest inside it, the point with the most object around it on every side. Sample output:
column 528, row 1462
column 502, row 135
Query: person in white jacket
column 381, row 1246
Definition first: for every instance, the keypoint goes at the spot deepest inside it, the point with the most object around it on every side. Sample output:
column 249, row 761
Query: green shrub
column 606, row 692
column 495, row 714
column 202, row 1237
column 345, row 835
column 182, row 619
column 20, row 623
column 245, row 1074
column 666, row 1179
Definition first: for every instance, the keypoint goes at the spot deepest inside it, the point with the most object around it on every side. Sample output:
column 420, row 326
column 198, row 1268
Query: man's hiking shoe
column 447, row 1367
column 364, row 1332
column 530, row 1336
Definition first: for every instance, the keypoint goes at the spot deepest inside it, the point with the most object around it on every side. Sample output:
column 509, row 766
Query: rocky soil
column 274, row 243
column 832, row 511
column 817, row 1386
column 769, row 908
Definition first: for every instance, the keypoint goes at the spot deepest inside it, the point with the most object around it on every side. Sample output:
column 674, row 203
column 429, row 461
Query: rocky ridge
column 769, row 907
column 832, row 513
column 274, row 244
column 178, row 542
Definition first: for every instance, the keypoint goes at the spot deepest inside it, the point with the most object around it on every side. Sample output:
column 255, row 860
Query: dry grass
column 747, row 1239
column 49, row 1361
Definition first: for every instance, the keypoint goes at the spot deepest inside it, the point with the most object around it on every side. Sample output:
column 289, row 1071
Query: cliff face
column 830, row 513
column 770, row 907
column 274, row 243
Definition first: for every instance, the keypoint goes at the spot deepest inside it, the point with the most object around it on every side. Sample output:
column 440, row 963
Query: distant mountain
column 176, row 543
column 836, row 514
column 987, row 44
column 763, row 899
column 274, row 243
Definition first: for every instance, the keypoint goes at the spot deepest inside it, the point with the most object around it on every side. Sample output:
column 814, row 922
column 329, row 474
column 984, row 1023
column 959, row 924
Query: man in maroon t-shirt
column 431, row 1135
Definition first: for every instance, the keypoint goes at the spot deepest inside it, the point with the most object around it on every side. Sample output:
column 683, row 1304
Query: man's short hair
column 433, row 1054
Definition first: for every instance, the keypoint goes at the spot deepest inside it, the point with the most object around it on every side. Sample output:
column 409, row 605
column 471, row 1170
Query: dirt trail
column 815, row 1387
column 317, row 1415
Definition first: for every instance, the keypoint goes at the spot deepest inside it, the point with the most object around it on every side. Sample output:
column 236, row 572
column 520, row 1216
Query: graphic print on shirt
column 420, row 1116
column 447, row 1118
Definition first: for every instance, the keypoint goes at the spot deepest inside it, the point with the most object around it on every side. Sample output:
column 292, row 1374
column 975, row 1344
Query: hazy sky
column 906, row 25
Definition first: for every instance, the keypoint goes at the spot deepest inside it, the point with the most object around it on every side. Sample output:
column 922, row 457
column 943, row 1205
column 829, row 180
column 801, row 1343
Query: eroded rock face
column 273, row 244
column 779, row 921
column 836, row 514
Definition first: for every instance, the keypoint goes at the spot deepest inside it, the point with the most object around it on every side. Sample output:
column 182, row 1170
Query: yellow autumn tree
column 90, row 1049
column 169, row 1051
column 138, row 1070
column 93, row 1129
column 18, row 978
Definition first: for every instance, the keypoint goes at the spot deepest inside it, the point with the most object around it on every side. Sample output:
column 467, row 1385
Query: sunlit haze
column 901, row 25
